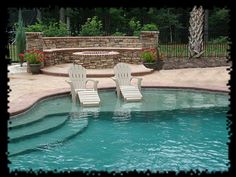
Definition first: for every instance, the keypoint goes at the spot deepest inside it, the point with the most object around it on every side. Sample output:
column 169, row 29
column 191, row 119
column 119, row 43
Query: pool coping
column 21, row 105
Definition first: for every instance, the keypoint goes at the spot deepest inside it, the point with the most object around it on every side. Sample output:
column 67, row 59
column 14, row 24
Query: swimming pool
column 169, row 130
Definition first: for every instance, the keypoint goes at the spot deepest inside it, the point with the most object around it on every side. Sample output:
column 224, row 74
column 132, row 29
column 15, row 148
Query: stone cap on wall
column 149, row 34
column 90, row 48
column 90, row 37
column 33, row 34
column 96, row 53
column 155, row 32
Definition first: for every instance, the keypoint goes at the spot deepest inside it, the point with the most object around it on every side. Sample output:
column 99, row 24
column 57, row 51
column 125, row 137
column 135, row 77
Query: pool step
column 47, row 124
column 29, row 120
column 75, row 125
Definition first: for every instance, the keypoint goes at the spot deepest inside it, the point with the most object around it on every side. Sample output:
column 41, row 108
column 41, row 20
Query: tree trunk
column 68, row 24
column 39, row 14
column 196, row 32
column 206, row 26
column 20, row 36
column 62, row 15
column 171, row 36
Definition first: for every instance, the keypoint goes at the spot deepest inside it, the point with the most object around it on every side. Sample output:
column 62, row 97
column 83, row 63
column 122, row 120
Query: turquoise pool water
column 169, row 130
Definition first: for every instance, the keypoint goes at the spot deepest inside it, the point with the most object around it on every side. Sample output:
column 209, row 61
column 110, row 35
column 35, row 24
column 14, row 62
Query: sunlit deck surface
column 26, row 88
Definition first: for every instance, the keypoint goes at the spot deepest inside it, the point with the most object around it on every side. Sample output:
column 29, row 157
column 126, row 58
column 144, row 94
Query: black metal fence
column 178, row 50
column 173, row 43
column 12, row 53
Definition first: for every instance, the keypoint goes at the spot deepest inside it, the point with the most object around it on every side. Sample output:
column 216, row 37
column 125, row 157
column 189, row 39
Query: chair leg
column 73, row 95
column 118, row 91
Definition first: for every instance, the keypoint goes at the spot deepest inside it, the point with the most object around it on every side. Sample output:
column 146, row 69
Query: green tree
column 62, row 15
column 168, row 20
column 218, row 22
column 20, row 36
column 118, row 20
column 172, row 22
column 39, row 14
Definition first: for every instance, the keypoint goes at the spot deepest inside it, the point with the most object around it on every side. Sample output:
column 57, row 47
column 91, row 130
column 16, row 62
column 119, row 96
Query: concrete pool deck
column 26, row 89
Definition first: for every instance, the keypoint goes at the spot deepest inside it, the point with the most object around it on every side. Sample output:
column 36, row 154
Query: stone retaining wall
column 60, row 49
column 99, row 41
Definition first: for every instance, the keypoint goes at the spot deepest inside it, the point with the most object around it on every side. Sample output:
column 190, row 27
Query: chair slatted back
column 123, row 74
column 77, row 74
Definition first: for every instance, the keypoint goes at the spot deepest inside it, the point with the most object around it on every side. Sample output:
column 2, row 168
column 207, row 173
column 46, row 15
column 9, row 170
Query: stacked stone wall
column 60, row 49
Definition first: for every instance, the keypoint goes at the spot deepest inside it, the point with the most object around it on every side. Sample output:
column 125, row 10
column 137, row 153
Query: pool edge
column 60, row 92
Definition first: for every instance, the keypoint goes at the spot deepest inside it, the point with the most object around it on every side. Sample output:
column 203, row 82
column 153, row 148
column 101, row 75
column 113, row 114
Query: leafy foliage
column 118, row 22
column 150, row 27
column 220, row 40
column 92, row 27
column 172, row 22
column 135, row 26
column 218, row 22
column 37, row 27
column 56, row 29
column 118, row 34
column 33, row 56
column 149, row 55
column 52, row 29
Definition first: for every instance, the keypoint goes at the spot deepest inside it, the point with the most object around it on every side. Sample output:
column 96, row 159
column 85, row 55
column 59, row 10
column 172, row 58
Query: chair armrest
column 95, row 83
column 138, row 82
column 70, row 83
column 115, row 80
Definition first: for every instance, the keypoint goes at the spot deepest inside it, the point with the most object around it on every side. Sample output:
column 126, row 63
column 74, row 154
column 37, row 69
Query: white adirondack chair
column 78, row 82
column 123, row 83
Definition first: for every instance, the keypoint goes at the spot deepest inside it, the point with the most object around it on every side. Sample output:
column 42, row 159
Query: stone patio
column 62, row 70
column 26, row 89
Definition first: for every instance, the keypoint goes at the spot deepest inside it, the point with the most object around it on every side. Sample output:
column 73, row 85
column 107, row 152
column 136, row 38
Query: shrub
column 149, row 55
column 33, row 56
column 118, row 34
column 37, row 27
column 56, row 29
column 220, row 40
column 150, row 27
column 92, row 27
column 135, row 27
column 53, row 29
